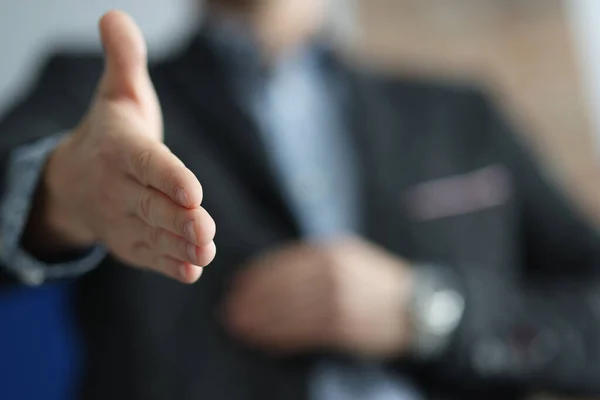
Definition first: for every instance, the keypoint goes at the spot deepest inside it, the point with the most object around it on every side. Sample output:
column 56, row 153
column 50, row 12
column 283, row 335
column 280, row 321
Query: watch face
column 443, row 312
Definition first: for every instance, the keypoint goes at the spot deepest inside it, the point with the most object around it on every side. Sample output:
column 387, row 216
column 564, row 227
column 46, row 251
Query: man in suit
column 378, row 238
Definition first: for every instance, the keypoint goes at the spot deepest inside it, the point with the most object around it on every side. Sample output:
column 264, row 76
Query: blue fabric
column 40, row 346
column 40, row 352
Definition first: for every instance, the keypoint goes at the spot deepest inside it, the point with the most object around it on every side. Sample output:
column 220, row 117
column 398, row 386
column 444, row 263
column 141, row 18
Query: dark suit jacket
column 527, row 259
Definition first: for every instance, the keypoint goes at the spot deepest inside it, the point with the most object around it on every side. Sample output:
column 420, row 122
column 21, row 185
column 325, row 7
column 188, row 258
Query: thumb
column 125, row 71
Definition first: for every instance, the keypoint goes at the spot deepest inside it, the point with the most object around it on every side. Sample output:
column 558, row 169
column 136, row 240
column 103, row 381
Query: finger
column 184, row 272
column 158, row 211
column 167, row 244
column 190, row 273
column 207, row 254
column 163, row 243
column 153, row 165
column 171, row 267
column 126, row 73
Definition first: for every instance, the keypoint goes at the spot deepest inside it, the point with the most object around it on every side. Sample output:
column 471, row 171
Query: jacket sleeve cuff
column 25, row 166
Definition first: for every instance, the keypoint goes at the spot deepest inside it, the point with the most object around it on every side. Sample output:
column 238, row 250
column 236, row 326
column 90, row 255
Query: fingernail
column 190, row 231
column 181, row 197
column 191, row 253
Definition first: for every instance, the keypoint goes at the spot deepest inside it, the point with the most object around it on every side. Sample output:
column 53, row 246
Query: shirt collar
column 236, row 47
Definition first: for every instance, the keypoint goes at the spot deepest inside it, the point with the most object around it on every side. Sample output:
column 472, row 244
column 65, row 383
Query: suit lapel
column 381, row 131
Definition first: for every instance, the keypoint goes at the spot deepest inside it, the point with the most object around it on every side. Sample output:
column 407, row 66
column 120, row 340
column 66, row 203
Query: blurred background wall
column 585, row 23
column 531, row 51
column 28, row 27
column 540, row 56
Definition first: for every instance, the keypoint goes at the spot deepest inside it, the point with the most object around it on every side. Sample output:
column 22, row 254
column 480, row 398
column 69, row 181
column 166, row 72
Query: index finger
column 152, row 164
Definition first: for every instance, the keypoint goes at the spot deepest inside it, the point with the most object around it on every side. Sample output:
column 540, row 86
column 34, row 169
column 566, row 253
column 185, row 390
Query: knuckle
column 175, row 175
column 180, row 221
column 142, row 161
column 146, row 204
column 156, row 237
column 169, row 181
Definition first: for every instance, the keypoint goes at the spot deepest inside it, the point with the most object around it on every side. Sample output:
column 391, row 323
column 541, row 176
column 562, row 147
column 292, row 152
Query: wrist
column 405, row 293
column 436, row 309
column 58, row 213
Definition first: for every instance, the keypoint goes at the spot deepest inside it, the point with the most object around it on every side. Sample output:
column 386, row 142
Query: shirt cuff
column 25, row 166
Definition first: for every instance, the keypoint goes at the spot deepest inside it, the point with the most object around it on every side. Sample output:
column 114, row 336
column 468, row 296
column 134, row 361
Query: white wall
column 585, row 17
column 28, row 29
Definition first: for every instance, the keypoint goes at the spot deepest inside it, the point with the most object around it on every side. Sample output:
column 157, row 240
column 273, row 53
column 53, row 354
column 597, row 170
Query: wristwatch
column 436, row 309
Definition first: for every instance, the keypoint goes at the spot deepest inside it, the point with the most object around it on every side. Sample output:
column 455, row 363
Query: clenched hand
column 349, row 296
column 113, row 181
